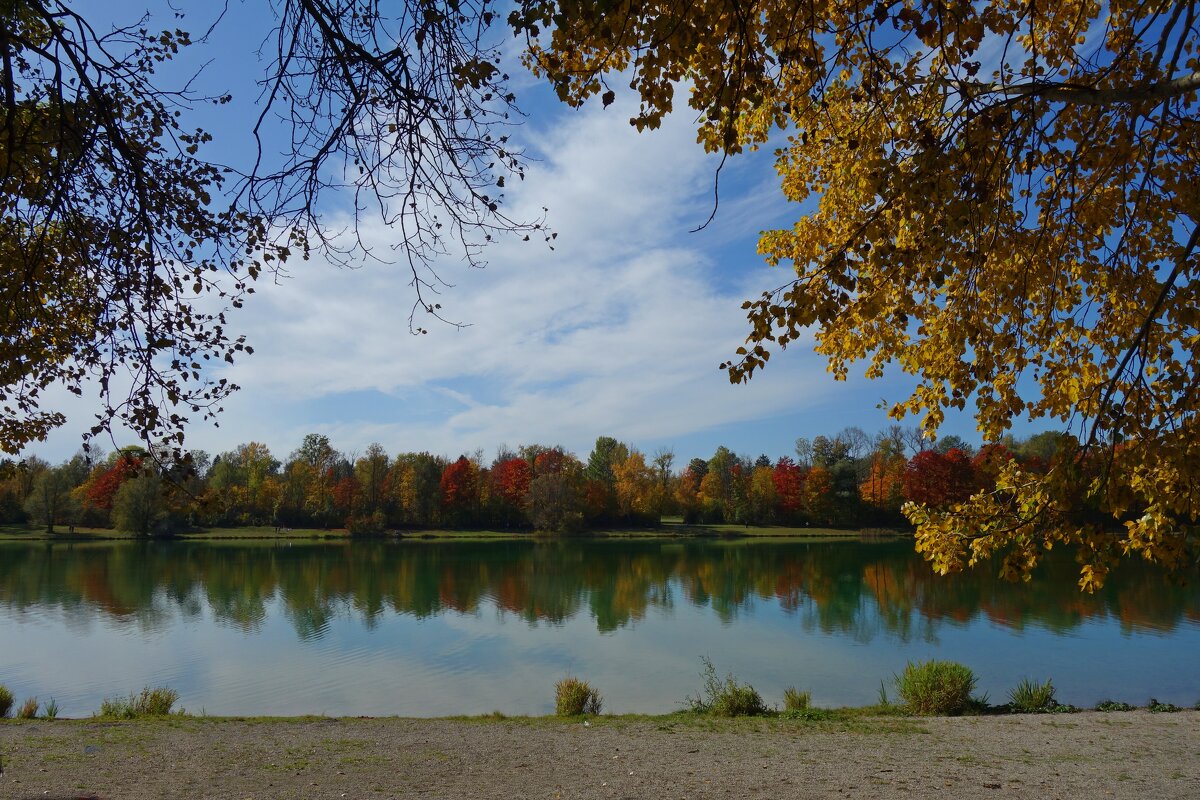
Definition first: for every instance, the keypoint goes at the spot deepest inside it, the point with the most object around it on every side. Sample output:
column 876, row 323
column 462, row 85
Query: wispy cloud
column 618, row 330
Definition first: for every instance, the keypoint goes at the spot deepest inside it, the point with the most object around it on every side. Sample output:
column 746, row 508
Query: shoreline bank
column 258, row 534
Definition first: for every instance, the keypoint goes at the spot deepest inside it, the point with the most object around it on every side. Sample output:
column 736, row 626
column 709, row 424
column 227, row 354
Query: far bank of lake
column 669, row 529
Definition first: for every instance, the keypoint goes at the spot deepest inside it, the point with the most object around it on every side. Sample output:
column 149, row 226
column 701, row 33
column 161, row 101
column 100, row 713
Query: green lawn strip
column 670, row 529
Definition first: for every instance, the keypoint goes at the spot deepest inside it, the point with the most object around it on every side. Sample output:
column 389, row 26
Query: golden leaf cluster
column 999, row 198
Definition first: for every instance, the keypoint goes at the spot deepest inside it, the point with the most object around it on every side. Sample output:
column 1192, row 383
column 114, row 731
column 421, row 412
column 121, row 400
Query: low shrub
column 1156, row 707
column 29, row 709
column 155, row 702
column 1113, row 705
column 51, row 709
column 937, row 688
column 573, row 697
column 1031, row 697
column 369, row 525
column 726, row 698
column 6, row 701
column 795, row 700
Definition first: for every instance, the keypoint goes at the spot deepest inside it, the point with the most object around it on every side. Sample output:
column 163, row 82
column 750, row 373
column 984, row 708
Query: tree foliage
column 139, row 506
column 126, row 243
column 997, row 198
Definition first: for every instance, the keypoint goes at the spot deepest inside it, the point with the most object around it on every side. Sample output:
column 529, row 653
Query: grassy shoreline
column 861, row 718
column 668, row 530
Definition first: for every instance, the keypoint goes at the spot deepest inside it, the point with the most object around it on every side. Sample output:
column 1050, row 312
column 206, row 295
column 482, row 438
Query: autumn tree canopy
column 999, row 198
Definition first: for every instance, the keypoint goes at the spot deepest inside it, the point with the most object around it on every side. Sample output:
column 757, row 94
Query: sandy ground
column 1133, row 754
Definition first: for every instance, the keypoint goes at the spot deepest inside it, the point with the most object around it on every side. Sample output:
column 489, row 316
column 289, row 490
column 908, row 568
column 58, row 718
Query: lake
column 429, row 628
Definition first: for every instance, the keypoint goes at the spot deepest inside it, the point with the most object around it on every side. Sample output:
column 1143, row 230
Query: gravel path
column 1133, row 754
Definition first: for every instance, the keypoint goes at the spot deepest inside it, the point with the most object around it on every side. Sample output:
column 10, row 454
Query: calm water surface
column 435, row 628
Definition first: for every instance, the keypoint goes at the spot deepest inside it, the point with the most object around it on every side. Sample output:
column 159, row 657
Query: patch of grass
column 795, row 700
column 50, row 711
column 29, row 709
column 573, row 697
column 726, row 698
column 1113, row 705
column 156, row 702
column 1156, row 707
column 809, row 714
column 1031, row 697
column 937, row 688
column 6, row 701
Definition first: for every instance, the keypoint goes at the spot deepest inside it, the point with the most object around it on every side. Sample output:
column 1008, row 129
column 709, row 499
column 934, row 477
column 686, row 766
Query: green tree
column 51, row 502
column 605, row 454
column 139, row 506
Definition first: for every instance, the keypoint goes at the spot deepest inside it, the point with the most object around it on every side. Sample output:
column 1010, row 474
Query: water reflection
column 859, row 590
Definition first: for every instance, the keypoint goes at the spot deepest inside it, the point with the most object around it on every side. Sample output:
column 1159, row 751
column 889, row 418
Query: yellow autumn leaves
column 994, row 202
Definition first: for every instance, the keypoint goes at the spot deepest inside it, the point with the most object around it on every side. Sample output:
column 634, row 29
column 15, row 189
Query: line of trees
column 849, row 479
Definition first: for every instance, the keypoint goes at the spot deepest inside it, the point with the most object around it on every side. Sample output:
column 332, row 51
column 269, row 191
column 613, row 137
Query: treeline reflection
column 837, row 587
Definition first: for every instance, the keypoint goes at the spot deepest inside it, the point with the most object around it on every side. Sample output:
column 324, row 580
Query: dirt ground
column 1094, row 755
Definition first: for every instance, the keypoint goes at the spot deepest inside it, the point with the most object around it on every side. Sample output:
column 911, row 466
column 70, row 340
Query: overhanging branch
column 1084, row 95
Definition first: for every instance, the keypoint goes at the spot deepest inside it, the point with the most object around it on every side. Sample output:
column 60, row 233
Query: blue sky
column 617, row 331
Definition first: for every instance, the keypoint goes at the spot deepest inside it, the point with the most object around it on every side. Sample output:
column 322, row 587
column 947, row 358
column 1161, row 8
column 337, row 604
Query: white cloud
column 618, row 330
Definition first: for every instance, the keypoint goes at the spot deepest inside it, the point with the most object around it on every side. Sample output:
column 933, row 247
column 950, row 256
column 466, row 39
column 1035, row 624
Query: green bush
column 1031, row 697
column 6, row 701
column 1113, row 705
column 573, row 697
column 29, row 709
column 155, row 702
column 938, row 688
column 726, row 698
column 1156, row 707
column 51, row 709
column 795, row 700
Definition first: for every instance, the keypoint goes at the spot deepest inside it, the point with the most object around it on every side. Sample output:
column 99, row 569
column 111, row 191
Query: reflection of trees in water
column 845, row 588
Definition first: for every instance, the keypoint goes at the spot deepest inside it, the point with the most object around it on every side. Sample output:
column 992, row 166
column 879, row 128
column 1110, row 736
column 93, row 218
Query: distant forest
column 850, row 479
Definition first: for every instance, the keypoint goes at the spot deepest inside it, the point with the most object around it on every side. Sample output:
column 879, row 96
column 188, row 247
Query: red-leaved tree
column 939, row 480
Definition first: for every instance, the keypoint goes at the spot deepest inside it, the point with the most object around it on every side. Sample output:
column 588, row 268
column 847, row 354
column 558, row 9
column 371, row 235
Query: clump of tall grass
column 51, row 709
column 936, row 688
column 726, row 698
column 6, row 701
column 1031, row 697
column 156, row 702
column 573, row 697
column 29, row 709
column 796, row 700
